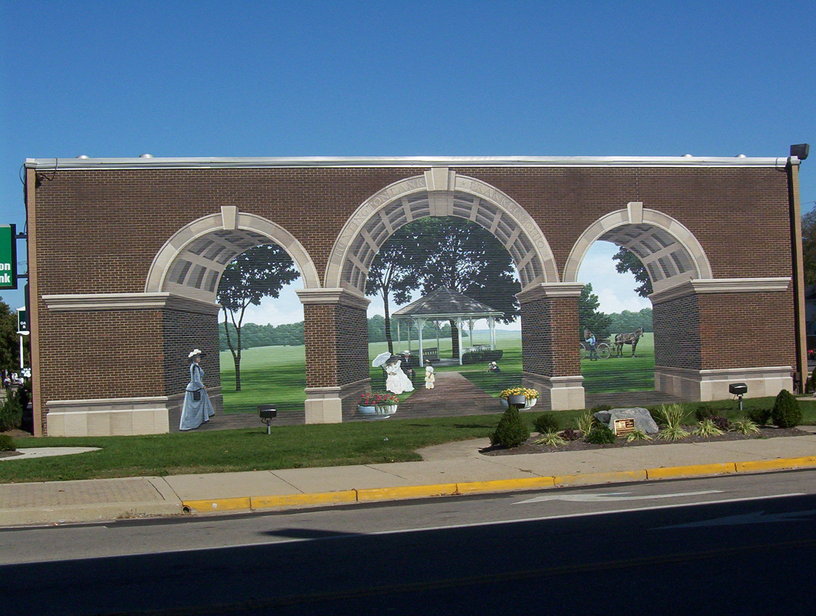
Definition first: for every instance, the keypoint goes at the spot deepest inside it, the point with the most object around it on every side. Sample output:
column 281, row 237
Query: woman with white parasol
column 396, row 380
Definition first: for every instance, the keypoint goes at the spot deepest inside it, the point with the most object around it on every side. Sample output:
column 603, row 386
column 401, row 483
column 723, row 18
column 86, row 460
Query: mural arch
column 668, row 250
column 191, row 262
column 439, row 192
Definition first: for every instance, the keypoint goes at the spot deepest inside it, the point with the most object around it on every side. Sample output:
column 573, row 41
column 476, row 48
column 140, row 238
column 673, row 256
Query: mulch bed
column 581, row 445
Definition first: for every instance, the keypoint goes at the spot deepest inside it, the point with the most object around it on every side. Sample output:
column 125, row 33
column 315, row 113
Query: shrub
column 722, row 423
column 672, row 433
column 600, row 435
column 760, row 417
column 671, row 415
column 11, row 413
column 601, row 407
column 546, row 422
column 7, row 443
column 786, row 412
column 511, row 431
column 585, row 422
column 707, row 427
column 570, row 435
column 551, row 439
column 744, row 426
column 637, row 435
column 704, row 412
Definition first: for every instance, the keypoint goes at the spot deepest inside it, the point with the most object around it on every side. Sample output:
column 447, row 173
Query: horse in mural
column 630, row 338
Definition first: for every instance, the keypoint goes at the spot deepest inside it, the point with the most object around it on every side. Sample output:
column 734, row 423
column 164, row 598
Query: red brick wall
column 549, row 337
column 746, row 329
column 336, row 340
column 677, row 333
column 725, row 330
column 183, row 332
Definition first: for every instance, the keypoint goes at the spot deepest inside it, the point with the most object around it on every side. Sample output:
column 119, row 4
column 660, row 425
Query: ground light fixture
column 267, row 413
column 739, row 390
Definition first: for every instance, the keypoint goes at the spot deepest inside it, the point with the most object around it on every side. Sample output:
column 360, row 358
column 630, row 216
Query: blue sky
column 304, row 78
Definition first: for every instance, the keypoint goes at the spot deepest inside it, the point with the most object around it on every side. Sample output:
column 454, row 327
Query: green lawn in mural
column 276, row 374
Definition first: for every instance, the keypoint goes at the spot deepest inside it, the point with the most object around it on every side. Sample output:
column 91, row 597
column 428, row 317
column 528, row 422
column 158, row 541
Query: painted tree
column 628, row 261
column 588, row 315
column 394, row 271
column 257, row 273
column 465, row 257
column 444, row 251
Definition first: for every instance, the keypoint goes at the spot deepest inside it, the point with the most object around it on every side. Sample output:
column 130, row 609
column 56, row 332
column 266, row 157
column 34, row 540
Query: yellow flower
column 519, row 391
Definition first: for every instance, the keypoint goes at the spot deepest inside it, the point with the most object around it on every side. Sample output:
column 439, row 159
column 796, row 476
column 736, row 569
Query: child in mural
column 396, row 381
column 197, row 408
column 493, row 367
column 430, row 377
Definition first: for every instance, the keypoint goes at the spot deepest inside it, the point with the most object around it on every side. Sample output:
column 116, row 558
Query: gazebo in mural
column 445, row 304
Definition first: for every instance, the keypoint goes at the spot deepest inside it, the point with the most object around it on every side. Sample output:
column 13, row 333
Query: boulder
column 643, row 420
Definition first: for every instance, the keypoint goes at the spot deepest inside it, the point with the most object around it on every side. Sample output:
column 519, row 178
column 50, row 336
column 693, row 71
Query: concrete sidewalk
column 450, row 469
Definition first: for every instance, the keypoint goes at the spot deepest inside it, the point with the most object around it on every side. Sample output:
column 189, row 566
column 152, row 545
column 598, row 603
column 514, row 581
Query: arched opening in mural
column 444, row 295
column 633, row 255
column 226, row 274
column 444, row 193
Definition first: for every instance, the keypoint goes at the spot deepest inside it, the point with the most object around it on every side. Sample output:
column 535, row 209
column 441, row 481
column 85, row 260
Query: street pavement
column 452, row 469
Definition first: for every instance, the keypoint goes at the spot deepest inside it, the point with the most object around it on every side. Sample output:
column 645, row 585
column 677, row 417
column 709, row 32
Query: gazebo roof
column 446, row 303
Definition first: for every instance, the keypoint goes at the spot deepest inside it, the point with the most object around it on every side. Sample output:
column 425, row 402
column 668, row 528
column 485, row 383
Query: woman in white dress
column 397, row 382
column 197, row 408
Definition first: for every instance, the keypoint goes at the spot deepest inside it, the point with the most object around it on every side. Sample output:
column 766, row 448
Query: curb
column 369, row 495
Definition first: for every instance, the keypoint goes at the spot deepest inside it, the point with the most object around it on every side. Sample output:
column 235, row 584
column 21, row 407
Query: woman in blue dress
column 197, row 408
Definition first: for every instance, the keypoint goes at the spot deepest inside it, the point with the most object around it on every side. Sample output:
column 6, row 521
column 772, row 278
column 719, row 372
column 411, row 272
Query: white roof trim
column 407, row 161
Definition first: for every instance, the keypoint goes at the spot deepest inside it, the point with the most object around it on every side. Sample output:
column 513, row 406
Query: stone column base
column 119, row 416
column 558, row 393
column 108, row 417
column 705, row 385
column 326, row 404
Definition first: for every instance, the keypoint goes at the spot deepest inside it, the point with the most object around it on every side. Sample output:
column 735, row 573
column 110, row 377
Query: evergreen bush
column 786, row 412
column 760, row 417
column 511, row 431
column 704, row 412
column 546, row 422
column 7, row 443
column 600, row 435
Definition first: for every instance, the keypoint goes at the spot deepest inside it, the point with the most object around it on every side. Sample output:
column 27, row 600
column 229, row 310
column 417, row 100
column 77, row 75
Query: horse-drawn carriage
column 602, row 348
column 606, row 348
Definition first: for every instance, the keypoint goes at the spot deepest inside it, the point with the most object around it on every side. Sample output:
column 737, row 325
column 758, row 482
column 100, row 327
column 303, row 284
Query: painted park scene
column 447, row 276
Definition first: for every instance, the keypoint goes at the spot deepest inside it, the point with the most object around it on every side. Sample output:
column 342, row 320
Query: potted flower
column 377, row 403
column 530, row 394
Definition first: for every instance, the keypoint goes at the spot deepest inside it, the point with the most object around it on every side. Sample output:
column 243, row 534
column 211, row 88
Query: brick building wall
column 97, row 231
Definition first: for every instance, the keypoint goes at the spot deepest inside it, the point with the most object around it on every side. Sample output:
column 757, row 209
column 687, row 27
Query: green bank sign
column 8, row 257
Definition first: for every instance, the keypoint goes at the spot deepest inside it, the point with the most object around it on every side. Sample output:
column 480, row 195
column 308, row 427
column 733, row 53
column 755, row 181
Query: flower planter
column 388, row 409
column 531, row 402
column 367, row 410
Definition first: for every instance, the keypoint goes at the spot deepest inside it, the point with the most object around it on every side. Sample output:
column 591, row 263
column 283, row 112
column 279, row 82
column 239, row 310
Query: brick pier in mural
column 125, row 256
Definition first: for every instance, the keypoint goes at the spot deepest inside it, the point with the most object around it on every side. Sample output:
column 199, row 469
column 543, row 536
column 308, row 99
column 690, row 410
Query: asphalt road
column 735, row 545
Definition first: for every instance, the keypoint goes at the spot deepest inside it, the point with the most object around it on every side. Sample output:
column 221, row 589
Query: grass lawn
column 287, row 447
column 276, row 374
column 244, row 450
